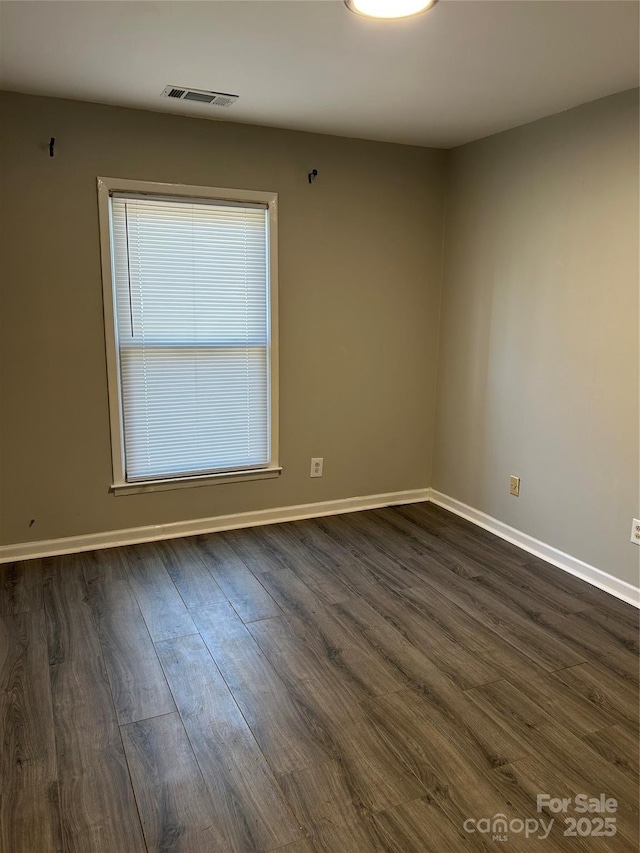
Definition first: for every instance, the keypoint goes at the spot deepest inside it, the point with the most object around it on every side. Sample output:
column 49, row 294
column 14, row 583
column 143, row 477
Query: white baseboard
column 173, row 530
column 133, row 535
column 596, row 577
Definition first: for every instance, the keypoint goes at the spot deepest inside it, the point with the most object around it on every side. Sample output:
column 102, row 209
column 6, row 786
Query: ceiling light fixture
column 389, row 9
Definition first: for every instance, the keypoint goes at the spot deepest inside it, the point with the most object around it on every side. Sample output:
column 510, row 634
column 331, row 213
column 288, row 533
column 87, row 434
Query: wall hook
column 52, row 143
column 312, row 175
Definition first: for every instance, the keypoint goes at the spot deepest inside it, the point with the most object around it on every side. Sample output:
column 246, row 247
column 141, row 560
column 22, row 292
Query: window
column 190, row 314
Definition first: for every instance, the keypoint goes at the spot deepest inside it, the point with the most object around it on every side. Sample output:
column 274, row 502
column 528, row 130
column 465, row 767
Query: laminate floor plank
column 520, row 630
column 137, row 681
column 347, row 562
column 249, row 598
column 26, row 718
column 570, row 590
column 570, row 708
column 349, row 684
column 106, row 580
column 302, row 563
column 364, row 750
column 71, row 630
column 296, row 847
column 622, row 632
column 349, row 566
column 447, row 620
column 444, row 633
column 472, row 536
column 462, row 788
column 163, row 609
column 432, row 516
column 362, row 668
column 326, row 800
column 447, row 704
column 187, row 568
column 279, row 727
column 619, row 746
column 30, row 819
column 391, row 568
column 174, row 803
column 420, row 543
column 327, row 805
column 97, row 805
column 594, row 644
column 310, row 712
column 510, row 579
column 21, row 587
column 603, row 690
column 522, row 781
column 288, row 651
column 458, row 785
column 579, row 763
column 515, row 624
column 249, row 807
column 417, row 826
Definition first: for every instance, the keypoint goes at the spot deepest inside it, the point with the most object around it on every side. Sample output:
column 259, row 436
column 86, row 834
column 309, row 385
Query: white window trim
column 107, row 186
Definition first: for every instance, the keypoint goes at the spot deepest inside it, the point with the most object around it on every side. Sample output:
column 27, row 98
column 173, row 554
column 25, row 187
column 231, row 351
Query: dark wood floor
column 364, row 682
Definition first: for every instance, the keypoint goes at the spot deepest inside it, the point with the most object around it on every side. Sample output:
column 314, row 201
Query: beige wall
column 538, row 356
column 538, row 361
column 360, row 255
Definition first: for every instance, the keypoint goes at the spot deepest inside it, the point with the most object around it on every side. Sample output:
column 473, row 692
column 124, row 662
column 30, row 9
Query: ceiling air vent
column 215, row 99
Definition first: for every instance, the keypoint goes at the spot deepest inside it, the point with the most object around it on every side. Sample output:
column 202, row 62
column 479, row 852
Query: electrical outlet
column 635, row 531
column 514, row 486
column 316, row 467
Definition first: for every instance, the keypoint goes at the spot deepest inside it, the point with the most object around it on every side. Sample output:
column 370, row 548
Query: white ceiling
column 466, row 69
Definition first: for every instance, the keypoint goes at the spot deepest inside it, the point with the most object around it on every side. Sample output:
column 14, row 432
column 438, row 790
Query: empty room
column 319, row 426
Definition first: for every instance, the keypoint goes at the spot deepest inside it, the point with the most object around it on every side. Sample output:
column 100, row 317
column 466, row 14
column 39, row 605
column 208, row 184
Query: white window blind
column 192, row 318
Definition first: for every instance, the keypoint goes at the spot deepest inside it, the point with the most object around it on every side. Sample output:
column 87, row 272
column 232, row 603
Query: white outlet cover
column 635, row 531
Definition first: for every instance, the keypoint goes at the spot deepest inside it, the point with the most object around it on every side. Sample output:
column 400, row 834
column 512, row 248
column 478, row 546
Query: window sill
column 192, row 482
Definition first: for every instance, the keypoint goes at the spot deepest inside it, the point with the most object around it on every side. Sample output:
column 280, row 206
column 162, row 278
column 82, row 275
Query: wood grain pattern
column 286, row 650
column 296, row 847
column 174, row 803
column 619, row 746
column 419, row 825
column 71, row 631
column 249, row 598
column 30, row 819
column 248, row 806
column 277, row 723
column 278, row 541
column 348, row 684
column 521, row 782
column 96, row 798
column 106, row 580
column 329, row 808
column 21, row 587
column 337, row 819
column 603, row 690
column 574, row 758
column 26, row 720
column 335, row 645
column 517, row 624
column 137, row 682
column 187, row 568
column 163, row 609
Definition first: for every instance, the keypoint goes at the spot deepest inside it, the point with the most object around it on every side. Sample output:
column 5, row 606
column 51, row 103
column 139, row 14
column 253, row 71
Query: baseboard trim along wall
column 173, row 530
column 596, row 577
column 133, row 535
